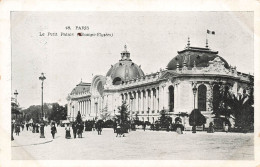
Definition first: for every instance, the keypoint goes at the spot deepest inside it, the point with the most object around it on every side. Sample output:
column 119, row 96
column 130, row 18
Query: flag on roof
column 211, row 32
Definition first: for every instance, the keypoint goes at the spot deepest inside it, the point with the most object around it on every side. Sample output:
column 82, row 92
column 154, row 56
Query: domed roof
column 81, row 87
column 194, row 55
column 124, row 70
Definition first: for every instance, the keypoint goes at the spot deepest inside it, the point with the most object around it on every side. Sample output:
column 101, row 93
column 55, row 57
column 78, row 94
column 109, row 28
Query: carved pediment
column 168, row 75
column 217, row 65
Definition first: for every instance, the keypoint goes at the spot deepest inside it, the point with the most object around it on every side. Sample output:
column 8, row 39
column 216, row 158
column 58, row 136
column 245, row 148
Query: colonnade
column 83, row 106
column 149, row 99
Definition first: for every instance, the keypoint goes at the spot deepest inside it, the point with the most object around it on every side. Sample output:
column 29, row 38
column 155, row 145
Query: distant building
column 170, row 89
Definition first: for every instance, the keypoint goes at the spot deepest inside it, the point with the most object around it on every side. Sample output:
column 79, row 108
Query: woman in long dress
column 67, row 129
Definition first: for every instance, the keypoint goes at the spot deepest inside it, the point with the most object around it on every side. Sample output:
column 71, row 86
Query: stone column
column 142, row 100
column 85, row 107
column 209, row 97
column 162, row 97
column 152, row 100
column 147, row 100
column 129, row 99
column 156, row 99
column 139, row 100
column 89, row 106
column 136, row 101
column 82, row 107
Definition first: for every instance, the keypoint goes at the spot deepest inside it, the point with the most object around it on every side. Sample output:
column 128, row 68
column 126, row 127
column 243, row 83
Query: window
column 202, row 97
column 117, row 81
column 171, row 98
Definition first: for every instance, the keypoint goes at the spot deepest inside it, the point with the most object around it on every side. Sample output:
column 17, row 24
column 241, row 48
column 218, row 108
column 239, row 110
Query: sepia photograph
column 139, row 85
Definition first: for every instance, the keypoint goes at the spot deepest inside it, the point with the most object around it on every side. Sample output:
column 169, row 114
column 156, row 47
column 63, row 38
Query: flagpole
column 207, row 39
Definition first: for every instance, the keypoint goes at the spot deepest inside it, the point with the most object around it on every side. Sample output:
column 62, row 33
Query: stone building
column 170, row 89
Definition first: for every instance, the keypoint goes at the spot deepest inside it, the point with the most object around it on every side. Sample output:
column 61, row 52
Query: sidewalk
column 27, row 138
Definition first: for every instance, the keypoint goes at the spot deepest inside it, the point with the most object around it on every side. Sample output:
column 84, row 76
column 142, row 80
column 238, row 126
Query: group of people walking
column 77, row 129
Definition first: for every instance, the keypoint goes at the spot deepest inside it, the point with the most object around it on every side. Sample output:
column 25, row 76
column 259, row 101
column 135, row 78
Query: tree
column 196, row 119
column 57, row 112
column 15, row 109
column 104, row 115
column 124, row 113
column 52, row 111
column 33, row 112
column 239, row 106
column 243, row 111
column 164, row 119
column 78, row 118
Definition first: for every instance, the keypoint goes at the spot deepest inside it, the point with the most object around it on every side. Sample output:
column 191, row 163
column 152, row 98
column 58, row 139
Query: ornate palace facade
column 171, row 89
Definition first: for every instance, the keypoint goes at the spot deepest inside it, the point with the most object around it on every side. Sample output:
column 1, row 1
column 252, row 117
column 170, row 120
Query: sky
column 152, row 38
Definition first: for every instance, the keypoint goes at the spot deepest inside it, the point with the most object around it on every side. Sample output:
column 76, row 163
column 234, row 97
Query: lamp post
column 42, row 78
column 194, row 89
column 16, row 94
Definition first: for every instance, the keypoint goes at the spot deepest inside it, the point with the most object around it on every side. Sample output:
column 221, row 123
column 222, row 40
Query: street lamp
column 42, row 78
column 194, row 89
column 16, row 93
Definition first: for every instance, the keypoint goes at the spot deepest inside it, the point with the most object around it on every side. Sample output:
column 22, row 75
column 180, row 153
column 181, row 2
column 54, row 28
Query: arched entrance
column 171, row 98
column 202, row 97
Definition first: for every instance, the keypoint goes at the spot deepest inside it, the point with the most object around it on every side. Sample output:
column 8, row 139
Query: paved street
column 148, row 145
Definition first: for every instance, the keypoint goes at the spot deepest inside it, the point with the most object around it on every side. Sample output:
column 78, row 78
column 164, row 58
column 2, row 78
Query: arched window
column 202, row 97
column 216, row 97
column 171, row 98
column 117, row 81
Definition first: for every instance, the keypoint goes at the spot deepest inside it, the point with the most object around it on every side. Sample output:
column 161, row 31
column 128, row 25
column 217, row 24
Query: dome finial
column 125, row 47
column 188, row 45
column 125, row 55
column 207, row 43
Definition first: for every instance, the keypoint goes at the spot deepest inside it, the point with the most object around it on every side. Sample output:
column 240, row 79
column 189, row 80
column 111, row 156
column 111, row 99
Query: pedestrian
column 34, row 127
column 94, row 124
column 27, row 126
column 67, row 129
column 82, row 129
column 12, row 130
column 144, row 126
column 74, row 129
column 17, row 129
column 99, row 127
column 78, row 127
column 211, row 128
column 226, row 128
column 37, row 128
column 22, row 125
column 114, row 126
column 53, row 131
